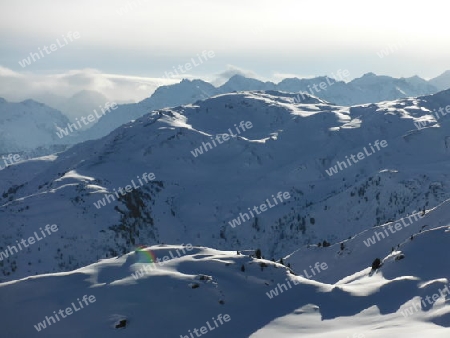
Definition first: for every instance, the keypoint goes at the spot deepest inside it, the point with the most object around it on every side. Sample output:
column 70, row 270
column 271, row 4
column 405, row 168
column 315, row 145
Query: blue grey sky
column 139, row 40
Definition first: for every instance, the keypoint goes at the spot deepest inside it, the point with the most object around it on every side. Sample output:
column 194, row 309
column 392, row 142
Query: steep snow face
column 28, row 125
column 232, row 294
column 206, row 192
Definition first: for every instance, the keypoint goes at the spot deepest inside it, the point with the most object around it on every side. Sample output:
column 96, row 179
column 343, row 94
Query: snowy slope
column 384, row 304
column 195, row 285
column 289, row 149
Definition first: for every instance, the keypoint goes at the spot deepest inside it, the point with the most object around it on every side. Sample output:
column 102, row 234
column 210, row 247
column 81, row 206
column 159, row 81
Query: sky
column 125, row 47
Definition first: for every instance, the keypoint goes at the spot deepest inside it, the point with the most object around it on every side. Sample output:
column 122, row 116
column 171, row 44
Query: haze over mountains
column 79, row 104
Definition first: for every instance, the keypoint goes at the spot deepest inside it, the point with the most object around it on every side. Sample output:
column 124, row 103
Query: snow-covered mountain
column 28, row 125
column 185, row 92
column 367, row 89
column 375, row 88
column 204, row 190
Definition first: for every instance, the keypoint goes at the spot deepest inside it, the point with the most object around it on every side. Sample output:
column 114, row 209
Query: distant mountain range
column 369, row 88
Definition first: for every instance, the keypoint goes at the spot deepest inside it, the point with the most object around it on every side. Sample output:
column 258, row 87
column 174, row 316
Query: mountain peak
column 31, row 102
column 241, row 83
column 237, row 76
column 370, row 74
column 442, row 81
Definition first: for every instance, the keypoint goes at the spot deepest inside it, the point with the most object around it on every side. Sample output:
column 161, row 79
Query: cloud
column 6, row 72
column 231, row 70
column 15, row 86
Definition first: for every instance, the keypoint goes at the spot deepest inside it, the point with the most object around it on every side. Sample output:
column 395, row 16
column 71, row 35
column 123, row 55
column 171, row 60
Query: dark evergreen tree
column 376, row 263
